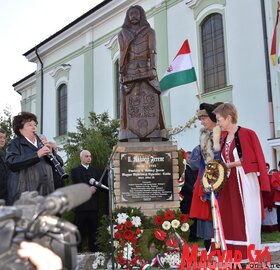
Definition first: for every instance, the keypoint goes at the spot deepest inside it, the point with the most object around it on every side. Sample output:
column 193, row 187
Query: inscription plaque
column 146, row 177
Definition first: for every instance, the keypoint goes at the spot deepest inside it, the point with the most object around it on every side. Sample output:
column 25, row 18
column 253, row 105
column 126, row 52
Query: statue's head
column 143, row 20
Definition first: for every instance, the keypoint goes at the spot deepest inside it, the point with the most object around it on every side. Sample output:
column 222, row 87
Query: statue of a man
column 141, row 113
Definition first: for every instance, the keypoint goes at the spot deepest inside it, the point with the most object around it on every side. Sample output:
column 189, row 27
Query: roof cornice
column 91, row 18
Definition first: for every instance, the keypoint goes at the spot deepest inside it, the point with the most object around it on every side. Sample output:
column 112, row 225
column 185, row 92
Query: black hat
column 206, row 109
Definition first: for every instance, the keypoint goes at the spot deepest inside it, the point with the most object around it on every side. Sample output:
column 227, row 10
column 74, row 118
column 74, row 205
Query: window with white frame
column 213, row 52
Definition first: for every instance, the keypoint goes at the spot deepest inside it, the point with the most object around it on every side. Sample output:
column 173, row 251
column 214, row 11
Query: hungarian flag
column 274, row 38
column 180, row 71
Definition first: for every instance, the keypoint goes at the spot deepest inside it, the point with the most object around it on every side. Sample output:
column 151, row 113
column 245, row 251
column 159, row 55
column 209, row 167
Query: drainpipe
column 42, row 89
column 268, row 82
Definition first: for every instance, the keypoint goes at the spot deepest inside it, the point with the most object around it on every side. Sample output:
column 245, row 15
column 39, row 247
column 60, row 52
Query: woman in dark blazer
column 26, row 156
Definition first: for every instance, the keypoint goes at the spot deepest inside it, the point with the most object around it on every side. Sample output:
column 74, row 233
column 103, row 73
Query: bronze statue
column 141, row 113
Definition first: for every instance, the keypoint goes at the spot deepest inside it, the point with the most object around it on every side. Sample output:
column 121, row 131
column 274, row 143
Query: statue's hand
column 152, row 74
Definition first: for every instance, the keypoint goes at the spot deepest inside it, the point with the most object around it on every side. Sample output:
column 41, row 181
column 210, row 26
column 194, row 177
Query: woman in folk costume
column 240, row 200
column 209, row 149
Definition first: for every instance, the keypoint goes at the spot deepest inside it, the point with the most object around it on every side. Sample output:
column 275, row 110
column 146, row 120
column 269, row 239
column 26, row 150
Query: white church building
column 230, row 40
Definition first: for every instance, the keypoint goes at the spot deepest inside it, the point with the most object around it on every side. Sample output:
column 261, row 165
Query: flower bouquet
column 127, row 229
column 170, row 231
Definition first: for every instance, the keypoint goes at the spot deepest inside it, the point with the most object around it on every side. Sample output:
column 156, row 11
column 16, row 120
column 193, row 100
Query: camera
column 34, row 218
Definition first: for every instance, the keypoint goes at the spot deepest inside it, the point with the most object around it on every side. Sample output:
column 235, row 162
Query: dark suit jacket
column 82, row 175
column 3, row 177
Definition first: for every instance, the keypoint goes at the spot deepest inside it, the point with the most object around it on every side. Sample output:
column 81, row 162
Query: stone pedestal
column 147, row 149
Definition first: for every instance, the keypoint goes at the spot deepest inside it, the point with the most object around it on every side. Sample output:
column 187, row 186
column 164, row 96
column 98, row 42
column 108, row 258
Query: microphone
column 95, row 183
column 66, row 198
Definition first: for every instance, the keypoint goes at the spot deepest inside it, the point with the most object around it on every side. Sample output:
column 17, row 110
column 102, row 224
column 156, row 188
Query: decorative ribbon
column 157, row 259
column 181, row 183
column 219, row 236
column 180, row 239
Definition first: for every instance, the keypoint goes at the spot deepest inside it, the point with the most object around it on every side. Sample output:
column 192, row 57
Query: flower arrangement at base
column 170, row 232
column 128, row 227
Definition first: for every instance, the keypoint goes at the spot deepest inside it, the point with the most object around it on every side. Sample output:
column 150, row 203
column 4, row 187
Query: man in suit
column 86, row 215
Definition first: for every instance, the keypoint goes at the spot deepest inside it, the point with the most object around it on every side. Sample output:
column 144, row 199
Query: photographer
column 42, row 258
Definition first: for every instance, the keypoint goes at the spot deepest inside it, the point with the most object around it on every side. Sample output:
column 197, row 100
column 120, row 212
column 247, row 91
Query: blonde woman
column 240, row 199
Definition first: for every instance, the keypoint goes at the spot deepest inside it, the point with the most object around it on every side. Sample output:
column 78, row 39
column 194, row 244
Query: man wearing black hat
column 209, row 149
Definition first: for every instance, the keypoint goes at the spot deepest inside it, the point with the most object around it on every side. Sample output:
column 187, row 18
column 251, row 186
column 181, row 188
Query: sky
column 24, row 24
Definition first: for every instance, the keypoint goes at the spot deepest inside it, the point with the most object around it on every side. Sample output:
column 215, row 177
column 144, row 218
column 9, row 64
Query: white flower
column 121, row 218
column 116, row 243
column 128, row 251
column 136, row 221
column 99, row 260
column 185, row 227
column 175, row 223
column 173, row 259
column 166, row 225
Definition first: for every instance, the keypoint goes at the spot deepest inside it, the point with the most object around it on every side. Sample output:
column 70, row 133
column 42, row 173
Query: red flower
column 158, row 220
column 172, row 242
column 184, row 218
column 136, row 251
column 159, row 234
column 138, row 231
column 120, row 255
column 133, row 241
column 133, row 261
column 119, row 227
column 122, row 261
column 128, row 224
column 128, row 234
column 117, row 235
column 169, row 215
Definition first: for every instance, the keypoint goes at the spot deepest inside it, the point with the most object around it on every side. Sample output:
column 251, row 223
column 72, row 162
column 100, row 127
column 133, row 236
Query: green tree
column 6, row 123
column 99, row 137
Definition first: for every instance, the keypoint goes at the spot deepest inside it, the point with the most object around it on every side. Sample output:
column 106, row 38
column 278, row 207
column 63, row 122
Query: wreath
column 168, row 232
column 214, row 175
column 128, row 226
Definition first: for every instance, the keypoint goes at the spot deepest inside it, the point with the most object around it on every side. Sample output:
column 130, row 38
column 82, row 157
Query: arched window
column 213, row 52
column 62, row 109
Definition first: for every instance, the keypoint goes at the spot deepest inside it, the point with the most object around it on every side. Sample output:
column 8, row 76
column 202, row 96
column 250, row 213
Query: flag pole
column 198, row 91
